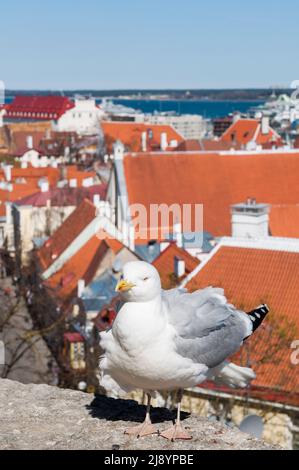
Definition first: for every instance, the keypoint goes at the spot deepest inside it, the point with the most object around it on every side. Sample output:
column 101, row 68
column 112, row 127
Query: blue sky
column 148, row 44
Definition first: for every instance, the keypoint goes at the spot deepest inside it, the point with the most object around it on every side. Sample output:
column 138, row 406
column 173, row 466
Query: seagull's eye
column 145, row 278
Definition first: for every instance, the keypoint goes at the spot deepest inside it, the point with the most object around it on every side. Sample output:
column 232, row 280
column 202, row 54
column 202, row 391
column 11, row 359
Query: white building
column 190, row 126
column 83, row 118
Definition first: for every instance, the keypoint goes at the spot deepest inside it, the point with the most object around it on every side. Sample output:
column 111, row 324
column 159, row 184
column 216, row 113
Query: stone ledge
column 45, row 417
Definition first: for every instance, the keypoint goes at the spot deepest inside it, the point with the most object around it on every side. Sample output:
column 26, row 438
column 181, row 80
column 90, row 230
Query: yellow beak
column 123, row 286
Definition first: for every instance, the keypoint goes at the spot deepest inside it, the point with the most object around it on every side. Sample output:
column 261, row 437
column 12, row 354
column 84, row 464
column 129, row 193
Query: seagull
column 164, row 340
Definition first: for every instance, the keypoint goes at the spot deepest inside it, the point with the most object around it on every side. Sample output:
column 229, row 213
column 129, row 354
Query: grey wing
column 208, row 329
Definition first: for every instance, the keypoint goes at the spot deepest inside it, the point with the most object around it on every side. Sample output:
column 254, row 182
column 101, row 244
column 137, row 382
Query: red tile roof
column 129, row 133
column 189, row 145
column 83, row 265
column 19, row 142
column 252, row 276
column 25, row 183
column 33, row 175
column 38, row 107
column 208, row 145
column 19, row 191
column 72, row 172
column 63, row 196
column 284, row 220
column 244, row 131
column 216, row 181
column 164, row 263
column 73, row 337
column 66, row 233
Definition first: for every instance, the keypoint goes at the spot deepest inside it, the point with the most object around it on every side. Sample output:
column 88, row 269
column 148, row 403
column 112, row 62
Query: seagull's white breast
column 141, row 353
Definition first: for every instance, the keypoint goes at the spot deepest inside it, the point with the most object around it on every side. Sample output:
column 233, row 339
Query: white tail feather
column 233, row 375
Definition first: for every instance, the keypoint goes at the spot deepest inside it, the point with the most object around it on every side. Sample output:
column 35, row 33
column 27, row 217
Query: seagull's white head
column 140, row 282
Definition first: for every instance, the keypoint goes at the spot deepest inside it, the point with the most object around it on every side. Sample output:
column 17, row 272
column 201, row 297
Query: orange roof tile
column 82, row 265
column 66, row 233
column 129, row 133
column 244, row 131
column 19, row 141
column 33, row 174
column 216, row 181
column 114, row 244
column 207, row 145
column 18, row 192
column 72, row 171
column 249, row 277
column 284, row 220
column 164, row 263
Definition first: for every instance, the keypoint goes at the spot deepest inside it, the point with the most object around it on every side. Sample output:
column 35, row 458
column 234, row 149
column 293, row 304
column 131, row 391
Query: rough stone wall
column 277, row 425
column 45, row 417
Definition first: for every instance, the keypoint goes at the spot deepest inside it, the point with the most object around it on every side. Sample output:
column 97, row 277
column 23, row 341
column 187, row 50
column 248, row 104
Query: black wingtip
column 257, row 315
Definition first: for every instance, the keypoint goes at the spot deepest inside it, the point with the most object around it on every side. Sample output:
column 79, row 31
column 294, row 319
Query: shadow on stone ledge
column 113, row 409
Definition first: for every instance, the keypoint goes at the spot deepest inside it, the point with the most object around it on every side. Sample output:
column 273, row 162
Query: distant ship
column 283, row 110
column 109, row 107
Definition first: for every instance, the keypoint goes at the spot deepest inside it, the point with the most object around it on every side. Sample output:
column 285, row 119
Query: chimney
column 29, row 141
column 178, row 235
column 73, row 183
column 118, row 150
column 7, row 172
column 96, row 200
column 143, row 141
column 131, row 238
column 80, row 288
column 236, row 117
column 265, row 127
column 44, row 185
column 179, row 267
column 250, row 220
column 163, row 141
column 2, row 113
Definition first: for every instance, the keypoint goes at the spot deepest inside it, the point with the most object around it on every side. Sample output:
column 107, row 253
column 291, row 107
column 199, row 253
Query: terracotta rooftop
column 25, row 183
column 129, row 133
column 284, row 220
column 33, row 174
column 249, row 277
column 207, row 145
column 244, row 131
column 164, row 263
column 20, row 144
column 72, row 171
column 82, row 265
column 73, row 337
column 19, row 192
column 66, row 233
column 216, row 181
column 63, row 196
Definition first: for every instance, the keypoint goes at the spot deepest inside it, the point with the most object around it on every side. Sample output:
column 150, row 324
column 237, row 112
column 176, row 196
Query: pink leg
column 146, row 428
column 176, row 431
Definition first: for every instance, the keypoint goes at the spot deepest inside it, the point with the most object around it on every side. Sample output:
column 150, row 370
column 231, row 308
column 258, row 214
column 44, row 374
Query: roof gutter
column 211, row 393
